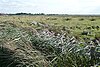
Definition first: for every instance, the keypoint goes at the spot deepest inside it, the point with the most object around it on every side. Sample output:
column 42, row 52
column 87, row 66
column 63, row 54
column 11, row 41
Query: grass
column 16, row 50
column 64, row 52
column 55, row 41
column 72, row 23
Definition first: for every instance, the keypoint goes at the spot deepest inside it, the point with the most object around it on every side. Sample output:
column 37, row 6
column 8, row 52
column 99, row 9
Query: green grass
column 74, row 24
column 56, row 41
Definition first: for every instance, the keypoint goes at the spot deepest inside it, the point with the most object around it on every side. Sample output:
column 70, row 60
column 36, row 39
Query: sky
column 50, row 6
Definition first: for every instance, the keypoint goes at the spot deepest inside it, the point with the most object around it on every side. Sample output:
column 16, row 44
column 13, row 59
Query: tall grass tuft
column 63, row 51
column 16, row 49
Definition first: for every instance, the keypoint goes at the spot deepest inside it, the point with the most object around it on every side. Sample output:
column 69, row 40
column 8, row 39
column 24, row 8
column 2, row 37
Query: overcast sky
column 51, row 6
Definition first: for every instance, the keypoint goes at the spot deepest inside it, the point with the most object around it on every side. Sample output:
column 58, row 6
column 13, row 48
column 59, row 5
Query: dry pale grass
column 16, row 49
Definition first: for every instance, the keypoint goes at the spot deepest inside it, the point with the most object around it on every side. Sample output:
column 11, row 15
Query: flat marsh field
column 49, row 41
column 81, row 27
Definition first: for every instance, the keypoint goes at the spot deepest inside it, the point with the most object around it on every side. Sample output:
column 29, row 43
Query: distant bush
column 78, row 27
column 92, row 19
column 81, row 19
column 23, row 14
column 67, row 19
column 88, row 27
column 93, row 27
column 97, row 27
column 39, row 14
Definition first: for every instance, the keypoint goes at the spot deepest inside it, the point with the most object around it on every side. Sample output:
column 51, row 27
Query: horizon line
column 48, row 13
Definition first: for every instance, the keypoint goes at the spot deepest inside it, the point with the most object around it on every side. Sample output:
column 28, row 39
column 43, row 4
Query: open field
column 80, row 27
column 49, row 41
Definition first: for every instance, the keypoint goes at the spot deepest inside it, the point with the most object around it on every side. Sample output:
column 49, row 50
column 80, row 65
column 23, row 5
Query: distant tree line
column 27, row 14
column 49, row 14
column 23, row 14
column 32, row 14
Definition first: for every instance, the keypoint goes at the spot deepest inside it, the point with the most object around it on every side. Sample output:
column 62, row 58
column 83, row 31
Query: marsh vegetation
column 49, row 41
